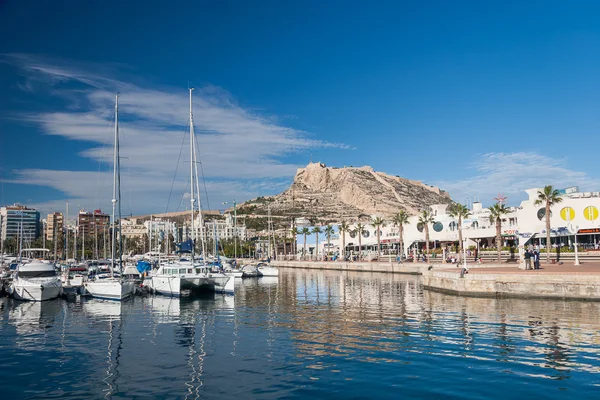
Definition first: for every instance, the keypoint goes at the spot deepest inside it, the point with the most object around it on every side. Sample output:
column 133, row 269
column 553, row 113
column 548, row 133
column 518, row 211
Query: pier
column 553, row 281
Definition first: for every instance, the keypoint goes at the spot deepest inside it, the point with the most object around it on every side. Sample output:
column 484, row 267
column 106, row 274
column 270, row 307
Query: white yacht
column 265, row 269
column 113, row 287
column 35, row 279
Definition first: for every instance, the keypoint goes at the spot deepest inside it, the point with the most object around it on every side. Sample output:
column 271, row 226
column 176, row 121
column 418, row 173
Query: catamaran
column 113, row 287
column 174, row 277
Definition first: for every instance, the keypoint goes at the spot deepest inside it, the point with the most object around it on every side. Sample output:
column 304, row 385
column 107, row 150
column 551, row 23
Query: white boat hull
column 166, row 284
column 110, row 289
column 268, row 271
column 25, row 290
column 172, row 285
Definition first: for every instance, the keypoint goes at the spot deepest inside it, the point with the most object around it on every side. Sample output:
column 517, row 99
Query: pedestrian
column 527, row 259
column 536, row 260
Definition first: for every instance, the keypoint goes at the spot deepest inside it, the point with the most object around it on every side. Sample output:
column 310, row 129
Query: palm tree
column 425, row 219
column 549, row 197
column 316, row 230
column 329, row 231
column 294, row 232
column 378, row 223
column 360, row 228
column 304, row 231
column 400, row 220
column 460, row 212
column 496, row 213
column 343, row 228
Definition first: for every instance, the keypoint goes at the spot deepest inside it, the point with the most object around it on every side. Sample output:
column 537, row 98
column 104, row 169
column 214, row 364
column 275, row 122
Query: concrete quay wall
column 556, row 286
column 387, row 267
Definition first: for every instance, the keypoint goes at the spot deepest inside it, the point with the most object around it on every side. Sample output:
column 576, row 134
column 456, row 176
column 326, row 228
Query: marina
column 307, row 333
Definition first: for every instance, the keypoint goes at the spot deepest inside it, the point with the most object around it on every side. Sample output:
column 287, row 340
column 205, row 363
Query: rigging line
column 203, row 178
column 104, row 146
column 183, row 195
column 176, row 168
column 122, row 136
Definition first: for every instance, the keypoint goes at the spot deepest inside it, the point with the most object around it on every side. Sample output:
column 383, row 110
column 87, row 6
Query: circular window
column 590, row 213
column 420, row 227
column 453, row 225
column 567, row 213
column 541, row 213
column 438, row 226
column 366, row 234
column 352, row 234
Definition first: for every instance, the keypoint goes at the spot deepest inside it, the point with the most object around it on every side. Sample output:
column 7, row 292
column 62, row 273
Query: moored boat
column 35, row 280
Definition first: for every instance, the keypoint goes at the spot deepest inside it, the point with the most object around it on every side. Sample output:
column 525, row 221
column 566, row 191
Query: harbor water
column 306, row 334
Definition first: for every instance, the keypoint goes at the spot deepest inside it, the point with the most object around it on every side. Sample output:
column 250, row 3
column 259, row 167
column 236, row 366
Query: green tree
column 316, row 230
column 329, row 231
column 359, row 229
column 343, row 228
column 459, row 212
column 425, row 219
column 549, row 197
column 400, row 220
column 497, row 211
column 378, row 223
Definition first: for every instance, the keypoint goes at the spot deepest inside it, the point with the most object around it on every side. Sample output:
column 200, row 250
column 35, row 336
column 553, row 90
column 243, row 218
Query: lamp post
column 235, row 232
column 576, row 252
column 465, row 254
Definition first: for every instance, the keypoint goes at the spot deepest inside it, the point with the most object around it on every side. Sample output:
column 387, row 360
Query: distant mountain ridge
column 348, row 193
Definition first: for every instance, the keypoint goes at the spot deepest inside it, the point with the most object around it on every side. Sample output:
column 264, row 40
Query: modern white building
column 521, row 226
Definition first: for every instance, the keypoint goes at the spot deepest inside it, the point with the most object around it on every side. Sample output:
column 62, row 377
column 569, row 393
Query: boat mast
column 113, row 250
column 192, row 174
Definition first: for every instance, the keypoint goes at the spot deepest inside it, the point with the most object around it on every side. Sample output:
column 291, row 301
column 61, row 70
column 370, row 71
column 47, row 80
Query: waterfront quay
column 554, row 281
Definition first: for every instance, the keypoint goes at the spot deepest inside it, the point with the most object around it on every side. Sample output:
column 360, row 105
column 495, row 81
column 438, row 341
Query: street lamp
column 235, row 232
column 576, row 252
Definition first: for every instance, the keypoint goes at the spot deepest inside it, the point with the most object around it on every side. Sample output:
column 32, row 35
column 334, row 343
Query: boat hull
column 268, row 271
column 109, row 289
column 166, row 285
column 29, row 291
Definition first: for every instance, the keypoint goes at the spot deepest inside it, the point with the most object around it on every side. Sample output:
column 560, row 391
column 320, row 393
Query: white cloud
column 511, row 174
column 240, row 151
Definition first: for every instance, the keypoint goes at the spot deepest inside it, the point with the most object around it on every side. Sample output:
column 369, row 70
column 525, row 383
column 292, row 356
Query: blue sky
column 475, row 97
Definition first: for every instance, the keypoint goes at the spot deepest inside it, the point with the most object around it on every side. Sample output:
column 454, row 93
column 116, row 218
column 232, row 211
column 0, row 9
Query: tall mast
column 113, row 251
column 192, row 174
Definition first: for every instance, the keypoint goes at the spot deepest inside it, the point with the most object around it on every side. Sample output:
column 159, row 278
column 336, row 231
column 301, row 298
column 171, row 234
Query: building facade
column 92, row 223
column 20, row 221
column 54, row 224
column 577, row 214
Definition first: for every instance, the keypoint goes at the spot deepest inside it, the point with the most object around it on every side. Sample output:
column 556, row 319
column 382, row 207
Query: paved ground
column 588, row 268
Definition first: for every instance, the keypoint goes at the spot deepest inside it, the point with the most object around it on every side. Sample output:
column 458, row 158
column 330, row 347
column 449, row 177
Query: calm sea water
column 306, row 334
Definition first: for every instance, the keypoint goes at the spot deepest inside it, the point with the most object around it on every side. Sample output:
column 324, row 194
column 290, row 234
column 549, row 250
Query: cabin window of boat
column 36, row 274
column 182, row 270
column 189, row 271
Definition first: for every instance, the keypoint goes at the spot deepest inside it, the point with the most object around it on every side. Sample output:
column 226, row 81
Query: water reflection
column 305, row 334
column 377, row 317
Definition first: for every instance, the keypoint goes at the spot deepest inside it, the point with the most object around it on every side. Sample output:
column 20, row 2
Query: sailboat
column 173, row 278
column 113, row 287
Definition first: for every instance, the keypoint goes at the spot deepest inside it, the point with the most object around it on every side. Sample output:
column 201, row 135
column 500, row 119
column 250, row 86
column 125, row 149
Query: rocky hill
column 349, row 193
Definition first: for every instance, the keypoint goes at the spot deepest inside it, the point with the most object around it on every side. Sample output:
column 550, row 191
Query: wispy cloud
column 512, row 173
column 239, row 149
